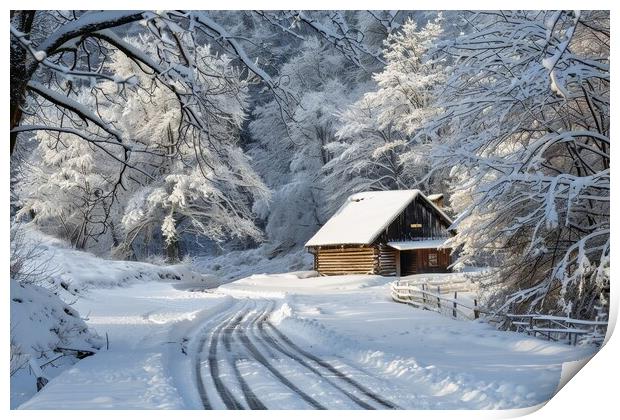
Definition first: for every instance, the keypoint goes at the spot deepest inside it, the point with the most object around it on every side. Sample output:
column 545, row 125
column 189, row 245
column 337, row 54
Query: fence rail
column 430, row 298
column 446, row 286
column 553, row 328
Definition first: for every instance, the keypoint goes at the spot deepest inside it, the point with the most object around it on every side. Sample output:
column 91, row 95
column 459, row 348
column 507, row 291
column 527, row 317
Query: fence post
column 454, row 306
column 476, row 312
column 424, row 295
column 438, row 298
column 595, row 326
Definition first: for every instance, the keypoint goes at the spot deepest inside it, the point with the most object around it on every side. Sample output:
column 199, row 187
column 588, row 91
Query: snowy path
column 246, row 336
column 292, row 341
column 410, row 358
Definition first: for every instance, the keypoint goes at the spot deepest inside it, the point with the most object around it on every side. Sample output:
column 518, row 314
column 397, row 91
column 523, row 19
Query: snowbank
column 75, row 271
column 42, row 322
column 45, row 331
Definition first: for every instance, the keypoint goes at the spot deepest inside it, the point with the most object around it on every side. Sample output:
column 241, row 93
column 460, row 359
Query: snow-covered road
column 295, row 341
column 247, row 354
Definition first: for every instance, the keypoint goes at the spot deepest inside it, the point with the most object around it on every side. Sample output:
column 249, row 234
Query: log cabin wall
column 387, row 260
column 348, row 259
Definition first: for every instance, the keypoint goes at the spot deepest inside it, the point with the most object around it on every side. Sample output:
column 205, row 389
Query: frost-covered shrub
column 28, row 262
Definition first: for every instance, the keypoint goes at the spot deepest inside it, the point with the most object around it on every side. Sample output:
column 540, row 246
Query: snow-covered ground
column 144, row 324
column 422, row 359
column 296, row 341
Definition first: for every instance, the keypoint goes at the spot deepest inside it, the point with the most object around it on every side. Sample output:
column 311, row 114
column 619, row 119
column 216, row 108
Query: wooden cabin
column 384, row 232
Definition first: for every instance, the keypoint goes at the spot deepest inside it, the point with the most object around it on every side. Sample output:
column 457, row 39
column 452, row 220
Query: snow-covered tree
column 179, row 179
column 67, row 187
column 200, row 181
column 525, row 134
column 62, row 60
column 297, row 134
column 376, row 147
column 404, row 99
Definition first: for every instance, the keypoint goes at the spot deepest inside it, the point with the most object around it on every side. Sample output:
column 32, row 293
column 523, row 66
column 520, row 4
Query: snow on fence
column 446, row 284
column 433, row 298
column 556, row 328
column 553, row 328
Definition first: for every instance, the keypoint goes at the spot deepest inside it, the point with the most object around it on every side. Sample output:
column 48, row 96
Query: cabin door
column 408, row 262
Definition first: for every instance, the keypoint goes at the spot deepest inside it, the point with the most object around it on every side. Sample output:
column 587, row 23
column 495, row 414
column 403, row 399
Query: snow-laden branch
column 41, row 57
column 87, row 23
column 342, row 39
column 79, row 109
column 204, row 19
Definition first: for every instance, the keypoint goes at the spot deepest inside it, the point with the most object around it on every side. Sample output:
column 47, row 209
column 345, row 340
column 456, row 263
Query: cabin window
column 415, row 225
column 433, row 260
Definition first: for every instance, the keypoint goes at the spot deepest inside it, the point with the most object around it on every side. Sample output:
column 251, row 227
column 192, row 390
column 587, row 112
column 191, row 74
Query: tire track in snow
column 372, row 395
column 200, row 383
column 253, row 401
column 227, row 397
column 223, row 391
column 236, row 326
column 260, row 358
column 202, row 390
column 275, row 344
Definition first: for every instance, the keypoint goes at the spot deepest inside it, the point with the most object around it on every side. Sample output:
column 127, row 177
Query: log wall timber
column 349, row 259
column 387, row 260
column 379, row 259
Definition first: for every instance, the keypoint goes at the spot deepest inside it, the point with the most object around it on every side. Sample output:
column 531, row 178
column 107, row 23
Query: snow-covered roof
column 434, row 197
column 424, row 244
column 364, row 216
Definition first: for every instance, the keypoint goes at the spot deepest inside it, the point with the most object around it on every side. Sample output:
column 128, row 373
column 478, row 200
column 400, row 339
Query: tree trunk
column 172, row 251
column 18, row 56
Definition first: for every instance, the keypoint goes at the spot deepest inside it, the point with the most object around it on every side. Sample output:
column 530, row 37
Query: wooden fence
column 430, row 298
column 553, row 328
column 556, row 328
